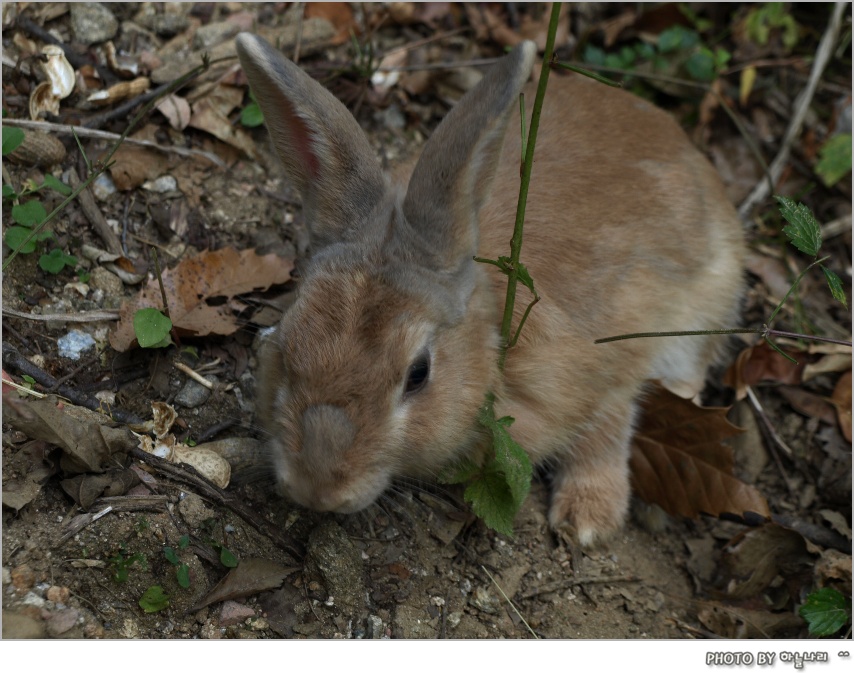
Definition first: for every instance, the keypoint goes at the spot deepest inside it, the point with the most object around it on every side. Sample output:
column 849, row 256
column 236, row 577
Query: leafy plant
column 29, row 213
column 122, row 563
column 805, row 234
column 826, row 611
column 152, row 328
column 252, row 116
column 675, row 44
column 56, row 260
column 182, row 570
column 154, row 599
column 834, row 159
column 762, row 21
column 12, row 139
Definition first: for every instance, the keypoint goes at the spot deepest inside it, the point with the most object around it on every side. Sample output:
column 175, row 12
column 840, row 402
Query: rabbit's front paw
column 590, row 506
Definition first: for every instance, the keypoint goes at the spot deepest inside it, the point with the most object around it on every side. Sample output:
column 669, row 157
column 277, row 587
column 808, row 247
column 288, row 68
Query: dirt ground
column 416, row 564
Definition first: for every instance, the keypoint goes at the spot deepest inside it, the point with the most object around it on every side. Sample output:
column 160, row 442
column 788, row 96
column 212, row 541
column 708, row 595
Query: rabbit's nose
column 327, row 433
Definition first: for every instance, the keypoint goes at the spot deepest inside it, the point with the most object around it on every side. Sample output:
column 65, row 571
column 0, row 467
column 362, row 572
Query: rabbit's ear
column 323, row 149
column 453, row 177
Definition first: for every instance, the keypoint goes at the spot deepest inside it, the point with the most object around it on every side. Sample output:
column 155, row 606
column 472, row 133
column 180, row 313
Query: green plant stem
column 764, row 332
column 516, row 240
column 107, row 161
column 795, row 285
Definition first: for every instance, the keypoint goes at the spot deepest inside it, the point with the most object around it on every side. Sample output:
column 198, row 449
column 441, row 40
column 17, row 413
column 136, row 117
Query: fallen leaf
column 339, row 14
column 194, row 283
column 210, row 114
column 679, row 463
column 756, row 557
column 841, row 399
column 24, row 474
column 833, row 362
column 252, row 576
column 176, row 110
column 733, row 622
column 809, row 404
column 762, row 363
column 88, row 439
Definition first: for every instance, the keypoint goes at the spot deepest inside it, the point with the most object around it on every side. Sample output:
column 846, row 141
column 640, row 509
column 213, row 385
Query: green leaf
column 151, row 327
column 184, row 542
column 182, row 573
column 834, row 159
column 228, row 559
column 803, row 230
column 524, row 277
column 12, row 139
column 491, row 500
column 510, row 458
column 826, row 611
column 701, row 66
column 56, row 261
column 57, row 185
column 29, row 214
column 835, row 284
column 251, row 116
column 8, row 192
column 593, row 55
column 677, row 37
column 15, row 236
column 459, row 473
column 171, row 556
column 154, row 599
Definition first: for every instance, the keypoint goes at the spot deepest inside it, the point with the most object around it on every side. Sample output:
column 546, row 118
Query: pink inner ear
column 301, row 138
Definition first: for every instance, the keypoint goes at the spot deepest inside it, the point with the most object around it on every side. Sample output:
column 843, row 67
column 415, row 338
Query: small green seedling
column 152, row 328
column 154, row 599
column 56, row 260
column 182, row 570
column 122, row 562
column 251, row 116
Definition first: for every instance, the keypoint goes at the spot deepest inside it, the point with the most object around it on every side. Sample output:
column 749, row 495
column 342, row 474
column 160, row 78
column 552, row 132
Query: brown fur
column 628, row 229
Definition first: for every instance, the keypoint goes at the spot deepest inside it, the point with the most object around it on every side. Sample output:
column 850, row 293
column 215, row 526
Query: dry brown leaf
column 339, row 14
column 176, row 110
column 197, row 280
column 252, row 576
column 210, row 114
column 833, row 362
column 809, row 404
column 88, row 439
column 762, row 363
column 841, row 399
column 732, row 622
column 678, row 461
column 754, row 558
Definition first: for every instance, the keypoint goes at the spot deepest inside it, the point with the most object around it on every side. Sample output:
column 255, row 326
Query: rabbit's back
column 627, row 229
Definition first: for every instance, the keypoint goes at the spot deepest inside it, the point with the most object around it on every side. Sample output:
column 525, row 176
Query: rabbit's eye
column 418, row 374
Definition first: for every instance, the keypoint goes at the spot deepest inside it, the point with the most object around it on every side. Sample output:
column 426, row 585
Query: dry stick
column 189, row 475
column 107, row 161
column 67, row 129
column 17, row 362
column 95, row 216
column 82, row 316
column 507, row 598
column 822, row 56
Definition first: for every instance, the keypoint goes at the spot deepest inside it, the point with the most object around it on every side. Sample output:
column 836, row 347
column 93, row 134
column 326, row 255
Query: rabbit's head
column 378, row 369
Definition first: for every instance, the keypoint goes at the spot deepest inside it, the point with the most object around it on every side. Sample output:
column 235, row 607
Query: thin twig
column 769, row 427
column 82, row 316
column 67, row 129
column 506, row 598
column 802, row 103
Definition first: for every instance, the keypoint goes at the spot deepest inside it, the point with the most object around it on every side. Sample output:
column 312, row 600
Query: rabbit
column 377, row 371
